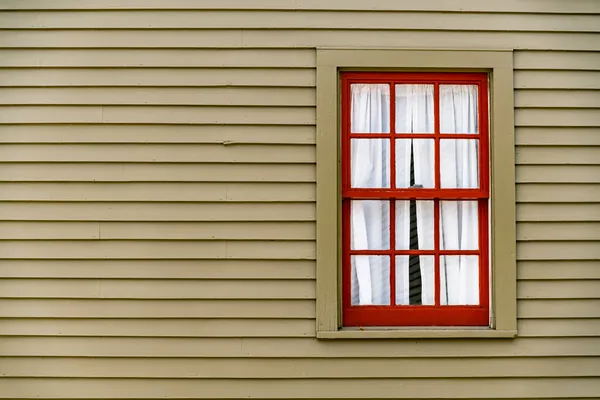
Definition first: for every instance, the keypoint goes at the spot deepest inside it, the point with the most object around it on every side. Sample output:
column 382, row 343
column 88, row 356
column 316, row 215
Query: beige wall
column 157, row 201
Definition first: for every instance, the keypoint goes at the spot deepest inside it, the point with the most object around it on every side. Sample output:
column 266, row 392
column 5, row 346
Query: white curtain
column 369, row 169
column 459, row 220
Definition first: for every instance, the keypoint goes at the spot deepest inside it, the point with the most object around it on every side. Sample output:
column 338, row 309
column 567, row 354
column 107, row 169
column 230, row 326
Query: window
column 420, row 243
column 415, row 193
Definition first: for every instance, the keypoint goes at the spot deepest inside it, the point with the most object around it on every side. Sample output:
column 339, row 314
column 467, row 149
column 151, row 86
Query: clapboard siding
column 192, row 19
column 328, row 368
column 513, row 6
column 303, row 38
column 157, row 200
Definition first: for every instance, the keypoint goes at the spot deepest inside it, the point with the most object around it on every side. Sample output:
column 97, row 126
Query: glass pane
column 370, row 108
column 370, row 280
column 459, row 225
column 415, row 280
column 458, row 109
column 459, row 280
column 414, row 225
column 370, row 161
column 415, row 163
column 459, row 163
column 370, row 225
column 414, row 108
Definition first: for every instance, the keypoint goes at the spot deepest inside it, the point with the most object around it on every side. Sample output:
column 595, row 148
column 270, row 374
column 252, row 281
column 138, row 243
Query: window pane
column 414, row 108
column 370, row 280
column 370, row 161
column 459, row 280
column 458, row 109
column 415, row 280
column 370, row 225
column 459, row 225
column 414, row 225
column 370, row 108
column 415, row 163
column 459, row 163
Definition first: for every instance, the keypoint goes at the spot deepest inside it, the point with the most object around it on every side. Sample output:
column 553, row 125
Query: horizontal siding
column 536, row 6
column 157, row 201
column 233, row 19
column 331, row 388
column 282, row 369
column 292, row 347
column 302, row 38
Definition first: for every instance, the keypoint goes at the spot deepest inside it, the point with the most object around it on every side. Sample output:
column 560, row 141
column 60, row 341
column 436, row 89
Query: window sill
column 414, row 333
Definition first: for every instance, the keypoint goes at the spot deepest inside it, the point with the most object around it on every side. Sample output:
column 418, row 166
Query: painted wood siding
column 157, row 200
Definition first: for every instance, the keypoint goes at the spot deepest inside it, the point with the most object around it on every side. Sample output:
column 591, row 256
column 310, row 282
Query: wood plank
column 557, row 98
column 159, row 269
column 170, row 172
column 413, row 39
column 154, row 68
column 557, row 136
column 157, row 289
column 224, row 96
column 513, row 6
column 158, row 115
column 557, row 193
column 559, row 328
column 558, row 231
column 160, row 309
column 558, row 250
column 553, row 60
column 559, row 269
column 159, row 230
column 558, row 174
column 158, row 192
column 50, row 114
column 563, row 212
column 49, row 230
column 209, row 115
column 294, row 347
column 159, row 152
column 299, row 38
column 552, row 155
column 557, row 80
column 557, row 117
column 159, row 327
column 137, row 58
column 559, row 308
column 329, row 388
column 554, row 289
column 173, row 134
column 107, row 211
column 152, row 249
column 234, row 19
column 208, row 230
column 298, row 368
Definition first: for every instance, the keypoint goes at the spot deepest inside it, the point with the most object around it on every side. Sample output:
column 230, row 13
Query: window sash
column 416, row 315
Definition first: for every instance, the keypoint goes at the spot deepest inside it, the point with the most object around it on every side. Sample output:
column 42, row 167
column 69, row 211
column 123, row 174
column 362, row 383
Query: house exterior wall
column 157, row 201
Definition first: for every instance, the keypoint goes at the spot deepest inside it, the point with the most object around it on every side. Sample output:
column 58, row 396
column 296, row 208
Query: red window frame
column 416, row 315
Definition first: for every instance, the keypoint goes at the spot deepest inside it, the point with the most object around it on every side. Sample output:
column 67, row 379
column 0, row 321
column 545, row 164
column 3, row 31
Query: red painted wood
column 408, row 315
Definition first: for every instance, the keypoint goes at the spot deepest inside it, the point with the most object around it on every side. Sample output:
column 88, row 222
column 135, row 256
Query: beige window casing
column 499, row 65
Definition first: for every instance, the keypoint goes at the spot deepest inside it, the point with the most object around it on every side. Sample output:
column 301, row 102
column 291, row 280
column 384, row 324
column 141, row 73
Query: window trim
column 499, row 65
